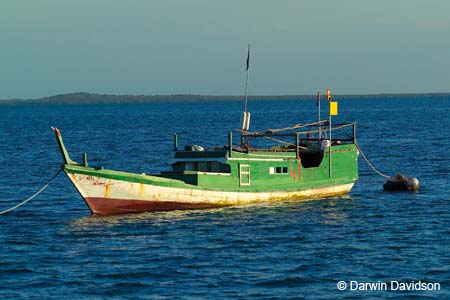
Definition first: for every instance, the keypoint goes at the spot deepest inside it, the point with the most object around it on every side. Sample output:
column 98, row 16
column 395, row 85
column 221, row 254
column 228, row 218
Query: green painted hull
column 344, row 168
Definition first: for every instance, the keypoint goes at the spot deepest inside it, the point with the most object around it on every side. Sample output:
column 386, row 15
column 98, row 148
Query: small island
column 93, row 98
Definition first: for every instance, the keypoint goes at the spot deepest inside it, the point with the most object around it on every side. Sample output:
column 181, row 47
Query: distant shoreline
column 91, row 98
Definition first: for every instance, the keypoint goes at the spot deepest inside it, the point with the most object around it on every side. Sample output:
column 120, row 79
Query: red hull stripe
column 108, row 206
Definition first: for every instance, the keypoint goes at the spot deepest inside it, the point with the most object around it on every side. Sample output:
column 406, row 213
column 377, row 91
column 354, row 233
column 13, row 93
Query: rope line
column 370, row 165
column 32, row 197
column 321, row 123
column 296, row 126
column 282, row 142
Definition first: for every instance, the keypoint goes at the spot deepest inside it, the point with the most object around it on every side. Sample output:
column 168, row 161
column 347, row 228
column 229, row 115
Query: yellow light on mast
column 328, row 94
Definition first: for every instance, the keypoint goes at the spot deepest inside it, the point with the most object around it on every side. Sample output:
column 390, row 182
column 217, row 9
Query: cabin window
column 201, row 166
column 189, row 166
column 214, row 166
column 278, row 170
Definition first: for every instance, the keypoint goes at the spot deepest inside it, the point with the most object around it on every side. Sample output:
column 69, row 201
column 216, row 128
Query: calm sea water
column 52, row 248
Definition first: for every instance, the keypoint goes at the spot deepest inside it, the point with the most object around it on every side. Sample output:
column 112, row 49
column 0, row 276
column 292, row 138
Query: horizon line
column 217, row 96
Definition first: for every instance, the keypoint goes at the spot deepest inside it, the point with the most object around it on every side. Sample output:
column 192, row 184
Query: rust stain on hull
column 140, row 192
column 130, row 189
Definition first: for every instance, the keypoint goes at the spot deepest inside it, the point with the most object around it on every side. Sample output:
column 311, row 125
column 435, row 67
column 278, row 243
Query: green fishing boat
column 300, row 167
column 305, row 163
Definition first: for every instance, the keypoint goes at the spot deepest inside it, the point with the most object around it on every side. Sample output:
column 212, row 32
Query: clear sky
column 52, row 47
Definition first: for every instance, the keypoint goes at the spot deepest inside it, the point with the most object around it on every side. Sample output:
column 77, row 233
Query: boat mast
column 246, row 115
column 246, row 82
column 329, row 151
column 329, row 147
column 318, row 109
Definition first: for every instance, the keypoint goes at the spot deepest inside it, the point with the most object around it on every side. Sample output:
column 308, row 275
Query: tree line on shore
column 88, row 98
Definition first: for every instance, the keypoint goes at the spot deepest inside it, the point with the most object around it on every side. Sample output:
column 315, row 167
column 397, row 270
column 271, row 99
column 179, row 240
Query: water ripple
column 52, row 247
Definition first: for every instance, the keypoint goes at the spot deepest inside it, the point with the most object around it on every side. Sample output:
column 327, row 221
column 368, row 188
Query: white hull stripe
column 97, row 187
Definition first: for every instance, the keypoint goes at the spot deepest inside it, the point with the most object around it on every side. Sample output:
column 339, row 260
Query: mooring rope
column 370, row 165
column 32, row 197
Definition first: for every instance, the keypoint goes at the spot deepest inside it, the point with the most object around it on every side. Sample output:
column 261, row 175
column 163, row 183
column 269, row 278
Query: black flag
column 248, row 57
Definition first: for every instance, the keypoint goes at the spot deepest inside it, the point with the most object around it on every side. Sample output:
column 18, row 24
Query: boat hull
column 112, row 196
